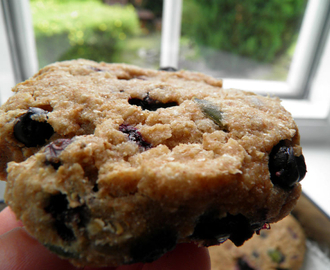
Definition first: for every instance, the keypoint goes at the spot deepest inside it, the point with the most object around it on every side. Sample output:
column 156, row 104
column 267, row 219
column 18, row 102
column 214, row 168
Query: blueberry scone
column 111, row 164
column 282, row 247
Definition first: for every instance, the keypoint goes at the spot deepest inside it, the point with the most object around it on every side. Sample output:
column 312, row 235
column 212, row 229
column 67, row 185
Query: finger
column 8, row 221
column 136, row 266
column 100, row 268
column 18, row 250
column 184, row 256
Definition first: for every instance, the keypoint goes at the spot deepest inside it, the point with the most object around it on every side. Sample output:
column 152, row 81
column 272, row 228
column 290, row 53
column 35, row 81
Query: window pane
column 109, row 30
column 240, row 39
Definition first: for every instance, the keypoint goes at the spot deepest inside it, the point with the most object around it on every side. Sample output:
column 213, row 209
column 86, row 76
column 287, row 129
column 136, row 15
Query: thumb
column 19, row 251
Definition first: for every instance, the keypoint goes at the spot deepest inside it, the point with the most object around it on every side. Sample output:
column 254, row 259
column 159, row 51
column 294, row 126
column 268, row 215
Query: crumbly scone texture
column 282, row 247
column 136, row 157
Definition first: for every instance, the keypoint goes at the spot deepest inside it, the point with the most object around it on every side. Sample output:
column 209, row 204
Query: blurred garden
column 257, row 31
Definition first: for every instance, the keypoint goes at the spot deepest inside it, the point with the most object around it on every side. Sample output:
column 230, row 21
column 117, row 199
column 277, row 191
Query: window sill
column 316, row 184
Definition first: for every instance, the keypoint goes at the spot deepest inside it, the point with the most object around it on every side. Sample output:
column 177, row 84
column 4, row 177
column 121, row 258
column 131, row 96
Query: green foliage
column 85, row 28
column 257, row 28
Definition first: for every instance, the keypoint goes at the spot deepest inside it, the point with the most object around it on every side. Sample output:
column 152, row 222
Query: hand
column 18, row 250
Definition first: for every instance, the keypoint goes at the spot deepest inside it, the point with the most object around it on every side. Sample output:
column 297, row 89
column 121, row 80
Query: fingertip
column 18, row 250
column 8, row 220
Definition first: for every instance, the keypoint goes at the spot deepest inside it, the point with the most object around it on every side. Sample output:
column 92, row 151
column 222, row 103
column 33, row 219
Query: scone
column 282, row 247
column 111, row 164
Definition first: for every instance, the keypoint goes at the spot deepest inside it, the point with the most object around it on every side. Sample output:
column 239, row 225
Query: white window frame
column 7, row 79
column 305, row 93
column 308, row 73
column 19, row 56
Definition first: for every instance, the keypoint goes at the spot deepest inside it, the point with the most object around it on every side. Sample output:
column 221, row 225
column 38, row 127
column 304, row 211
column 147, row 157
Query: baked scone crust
column 138, row 155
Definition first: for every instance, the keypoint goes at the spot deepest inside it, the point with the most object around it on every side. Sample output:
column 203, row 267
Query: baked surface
column 119, row 163
column 281, row 247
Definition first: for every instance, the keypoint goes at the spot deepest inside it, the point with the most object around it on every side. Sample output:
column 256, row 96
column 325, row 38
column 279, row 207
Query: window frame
column 7, row 79
column 20, row 38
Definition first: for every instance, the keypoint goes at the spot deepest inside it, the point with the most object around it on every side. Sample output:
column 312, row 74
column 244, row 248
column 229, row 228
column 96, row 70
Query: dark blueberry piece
column 64, row 230
column 241, row 230
column 209, row 227
column 301, row 167
column 255, row 254
column 147, row 103
column 243, row 265
column 92, row 172
column 263, row 234
column 149, row 248
column 285, row 168
column 53, row 150
column 58, row 208
column 95, row 69
column 95, row 187
column 31, row 132
column 135, row 136
column 55, row 165
column 60, row 251
column 293, row 234
column 215, row 230
column 168, row 69
column 65, row 218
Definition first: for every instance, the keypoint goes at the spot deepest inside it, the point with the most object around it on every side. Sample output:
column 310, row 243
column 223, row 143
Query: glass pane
column 240, row 39
column 125, row 31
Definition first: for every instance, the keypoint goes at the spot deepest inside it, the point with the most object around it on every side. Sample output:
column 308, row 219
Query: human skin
column 18, row 250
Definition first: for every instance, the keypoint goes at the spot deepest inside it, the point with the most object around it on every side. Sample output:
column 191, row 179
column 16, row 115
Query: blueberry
column 214, row 230
column 66, row 218
column 95, row 69
column 255, row 254
column 135, row 136
column 91, row 172
column 168, row 69
column 31, row 132
column 301, row 165
column 285, row 168
column 53, row 150
column 152, row 246
column 241, row 230
column 150, row 104
column 61, row 251
column 243, row 265
column 95, row 187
